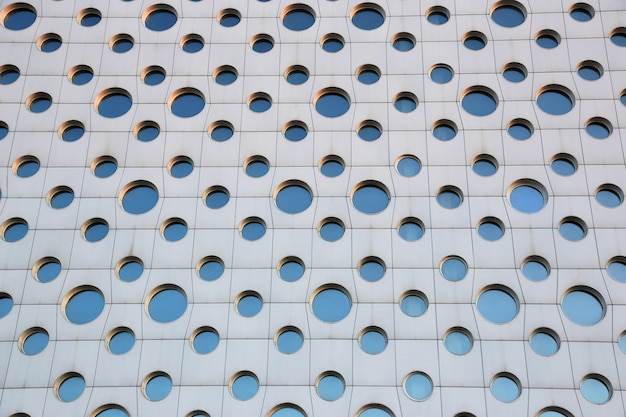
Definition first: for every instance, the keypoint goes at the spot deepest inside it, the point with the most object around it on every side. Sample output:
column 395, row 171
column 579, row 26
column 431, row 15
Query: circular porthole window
column 13, row 229
column 244, row 385
column 479, row 101
column 548, row 39
column 367, row 16
column 331, row 303
column 159, row 17
column 262, row 43
column 68, row 387
column 288, row 340
column 535, row 268
column 80, row 74
column 221, row 130
column 120, row 340
column 332, row 102
column 104, row 166
column 474, row 40
column 410, row 229
column 437, row 15
column 71, row 131
column 298, row 17
column 527, row 196
column 332, row 42
column 174, row 229
column 33, row 341
column 139, row 197
column 252, row 228
column 413, row 303
column 596, row 389
column 49, row 42
column 113, row 102
column 485, row 165
column 405, row 102
column 291, row 269
column 180, row 166
column 225, row 75
column 555, row 99
column 545, row 342
column 18, row 16
column 122, row 42
column 508, row 13
column 564, row 164
column 26, row 166
column 204, row 340
column 296, row 74
column 453, row 268
column 572, row 228
column 39, row 102
column 417, row 386
column 216, row 197
column 293, row 197
column 581, row 12
column 497, row 304
column 248, row 303
column 583, row 306
column 331, row 166
column 156, row 386
column 9, row 74
column 192, row 43
column 370, row 197
column 514, row 72
column 331, row 229
column 129, row 269
column 89, row 17
column 166, row 303
column 371, row 269
column 147, row 131
column 403, row 41
column 520, row 129
column 229, row 17
column 506, row 387
column 490, row 228
column 609, row 195
column 330, row 386
column 153, row 75
column 259, row 102
column 449, row 197
column 373, row 340
column 599, row 128
column 186, row 102
column 444, row 130
column 590, row 70
column 368, row 74
column 210, row 268
column 47, row 269
column 83, row 304
column 95, row 229
column 458, row 341
column 60, row 197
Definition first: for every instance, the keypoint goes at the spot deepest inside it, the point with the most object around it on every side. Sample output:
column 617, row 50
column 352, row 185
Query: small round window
column 555, row 99
column 204, row 340
column 508, row 13
column 367, row 16
column 95, row 229
column 166, row 303
column 293, row 197
column 288, row 340
column 413, row 303
column 458, row 341
column 157, row 386
column 545, row 342
column 449, row 197
column 252, row 228
column 47, row 269
column 373, row 340
column 527, row 196
column 609, row 195
column 298, row 17
column 13, row 229
column 583, row 306
column 159, row 17
column 332, row 102
column 83, row 304
column 479, row 101
column 210, row 268
column 291, row 269
column 120, row 340
column 331, row 229
column 331, row 303
column 535, row 268
column 186, row 102
column 221, row 130
column 18, row 16
column 505, row 387
column 418, row 386
column 410, row 229
column 248, row 303
column 139, row 197
column 370, row 197
column 244, row 385
column 113, row 102
column 33, row 341
column 497, row 304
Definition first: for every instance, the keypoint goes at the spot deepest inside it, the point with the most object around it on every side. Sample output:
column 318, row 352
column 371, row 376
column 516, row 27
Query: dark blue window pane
column 114, row 105
column 547, row 41
column 51, row 44
column 230, row 19
column 411, row 230
column 368, row 76
column 130, row 271
column 619, row 38
column 15, row 230
column 581, row 14
column 297, row 77
column 572, row 230
column 438, row 17
column 217, row 198
column 555, row 102
column 154, row 77
column 193, row 45
column 40, row 103
column 105, row 168
column 84, row 306
column 72, row 133
column 291, row 271
column 226, row 77
column 332, row 168
column 508, row 16
column 405, row 104
column 369, row 132
column 90, row 18
column 4, row 130
column 293, row 199
column 20, row 18
column 484, row 167
column 589, row 73
column 514, row 75
column 444, row 131
column 6, row 304
column 370, row 199
column 8, row 75
column 296, row 133
column 257, row 168
column 253, row 230
column 122, row 44
column 140, row 198
column 332, row 105
column 598, row 130
column 49, row 270
column 262, row 45
column 479, row 103
column 520, row 131
column 160, row 19
column 298, row 19
column 182, row 168
column 403, row 44
column 260, row 104
column 490, row 231
column 62, row 199
column 475, row 43
column 187, row 104
column 563, row 166
column 148, row 132
column 167, row 305
column 96, row 231
column 28, row 168
column 441, row 74
column 174, row 231
column 368, row 18
column 221, row 133
column 449, row 199
column 81, row 76
column 332, row 45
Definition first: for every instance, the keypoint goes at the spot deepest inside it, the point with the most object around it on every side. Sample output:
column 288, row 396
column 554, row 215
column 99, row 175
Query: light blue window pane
column 330, row 387
column 130, row 271
column 211, row 270
column 621, row 342
column 453, row 269
column 187, row 105
column 370, row 199
column 35, row 342
column 206, row 341
column 371, row 271
column 105, row 169
column 408, row 166
column 438, row 18
column 535, row 270
column 249, row 305
column 598, row 130
column 331, row 231
column 405, row 104
column 167, row 305
column 288, row 411
column 332, row 105
column 15, row 231
column 595, row 391
column 589, row 73
column 295, row 133
column 449, row 199
column 6, row 304
column 403, row 44
column 71, row 388
column 572, row 230
column 293, row 199
column 61, row 199
column 520, row 131
column 490, row 231
column 112, row 412
column 458, row 342
column 217, row 199
column 368, row 77
column 441, row 74
column 121, row 342
column 418, row 386
column 619, row 39
column 617, row 270
column 544, row 344
column 414, row 305
column 368, row 19
column 444, row 132
column 245, row 387
column 158, row 387
column 253, row 230
column 49, row 271
column 332, row 168
column 291, row 271
column 289, row 341
column 84, row 306
column 527, row 199
column 369, row 133
column 555, row 102
column 331, row 305
column 140, row 199
column 411, row 231
column 582, row 308
column 563, row 166
column 497, row 306
column 580, row 14
column 608, row 198
column 373, row 342
column 505, row 389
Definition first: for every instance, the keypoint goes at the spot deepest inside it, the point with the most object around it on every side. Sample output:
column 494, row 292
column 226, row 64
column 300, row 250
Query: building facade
column 307, row 208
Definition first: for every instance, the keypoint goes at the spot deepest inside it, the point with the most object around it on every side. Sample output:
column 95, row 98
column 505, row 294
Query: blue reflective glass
column 484, row 167
column 580, row 14
column 174, row 231
column 330, row 387
column 608, row 198
column 458, row 342
column 598, row 130
column 411, row 231
column 6, row 304
column 621, row 342
column 298, row 19
column 15, row 231
column 28, row 168
column 35, row 342
column 403, row 44
column 96, row 231
column 180, row 169
column 544, row 344
column 51, row 44
column 40, row 104
column 505, row 389
column 547, row 41
column 291, row 271
column 368, row 76
column 595, row 391
column 154, row 77
column 257, row 168
column 114, row 105
column 370, row 199
column 369, row 133
column 332, row 45
column 514, row 75
column 148, row 133
column 441, row 74
column 158, row 387
column 167, row 305
column 226, row 77
column 582, row 307
column 253, row 230
column 249, row 305
column 331, row 305
column 289, row 341
column 555, row 102
column 438, row 17
column 373, row 342
column 245, row 387
column 112, row 412
column 121, row 342
column 61, row 199
column 332, row 168
column 211, row 270
column 405, row 104
column 72, row 133
column 71, row 388
column 453, row 269
column 413, row 305
column 122, row 45
column 332, row 105
column 589, row 73
column 205, row 341
column 84, row 306
column 193, row 45
column 572, row 230
column 130, row 271
column 217, row 199
column 444, row 131
column 408, row 166
column 48, row 271
column 90, row 19
column 508, row 16
column 260, row 104
column 229, row 20
column 160, row 19
column 82, row 77
column 293, row 199
column 222, row 133
column 368, row 18
column 449, row 199
column 479, row 103
column 563, row 166
column 617, row 270
column 619, row 39
column 19, row 18
column 418, row 386
column 372, row 271
column 331, row 231
column 262, row 45
column 535, row 270
column 288, row 411
column 105, row 169
column 140, row 199
column 4, row 130
column 187, row 105
column 527, row 199
column 297, row 77
column 497, row 306
column 475, row 43
column 296, row 133
column 519, row 131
